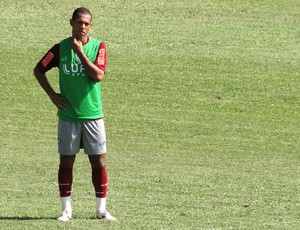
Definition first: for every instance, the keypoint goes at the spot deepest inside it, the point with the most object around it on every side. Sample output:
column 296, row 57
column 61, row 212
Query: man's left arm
column 95, row 70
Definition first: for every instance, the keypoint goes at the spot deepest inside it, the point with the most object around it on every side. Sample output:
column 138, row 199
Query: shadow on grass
column 25, row 218
column 40, row 218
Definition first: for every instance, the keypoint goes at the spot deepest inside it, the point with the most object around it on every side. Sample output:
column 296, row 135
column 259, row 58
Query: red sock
column 65, row 179
column 100, row 181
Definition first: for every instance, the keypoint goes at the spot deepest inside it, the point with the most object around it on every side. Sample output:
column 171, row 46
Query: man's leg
column 65, row 179
column 69, row 138
column 100, row 182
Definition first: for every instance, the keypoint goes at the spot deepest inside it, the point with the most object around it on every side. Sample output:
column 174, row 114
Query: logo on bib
column 77, row 59
column 74, row 70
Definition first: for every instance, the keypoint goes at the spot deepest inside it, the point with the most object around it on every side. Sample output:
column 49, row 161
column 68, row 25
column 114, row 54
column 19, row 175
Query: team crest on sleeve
column 101, row 57
column 47, row 59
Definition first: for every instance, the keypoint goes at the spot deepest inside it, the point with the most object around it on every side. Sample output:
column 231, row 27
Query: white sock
column 66, row 204
column 101, row 204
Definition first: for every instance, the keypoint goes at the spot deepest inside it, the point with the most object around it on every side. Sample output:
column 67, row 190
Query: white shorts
column 89, row 135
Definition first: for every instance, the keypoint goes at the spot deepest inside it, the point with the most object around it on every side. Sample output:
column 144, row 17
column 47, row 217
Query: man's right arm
column 49, row 61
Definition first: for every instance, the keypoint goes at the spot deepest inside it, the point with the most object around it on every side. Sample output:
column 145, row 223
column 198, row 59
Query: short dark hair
column 81, row 10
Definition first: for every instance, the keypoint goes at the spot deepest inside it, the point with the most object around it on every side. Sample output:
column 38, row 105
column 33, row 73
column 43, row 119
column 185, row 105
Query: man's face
column 81, row 25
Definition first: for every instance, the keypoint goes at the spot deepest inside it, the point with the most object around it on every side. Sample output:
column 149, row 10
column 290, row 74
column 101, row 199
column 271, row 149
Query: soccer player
column 81, row 61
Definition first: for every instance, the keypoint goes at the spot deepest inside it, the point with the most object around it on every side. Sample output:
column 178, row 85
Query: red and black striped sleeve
column 101, row 58
column 50, row 59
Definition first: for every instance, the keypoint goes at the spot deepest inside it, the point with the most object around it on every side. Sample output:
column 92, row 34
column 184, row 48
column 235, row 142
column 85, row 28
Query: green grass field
column 201, row 104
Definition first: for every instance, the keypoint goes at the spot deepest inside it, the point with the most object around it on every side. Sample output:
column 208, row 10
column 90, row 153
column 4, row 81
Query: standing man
column 81, row 61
